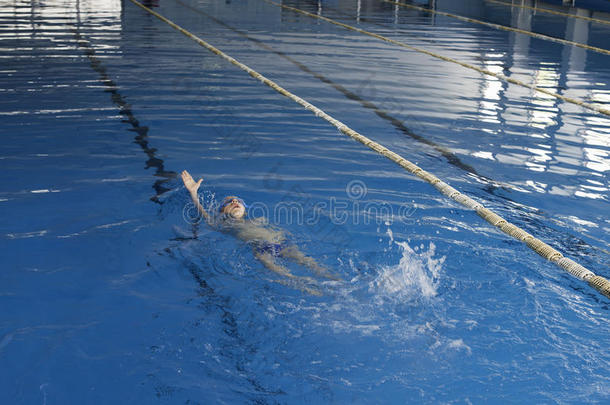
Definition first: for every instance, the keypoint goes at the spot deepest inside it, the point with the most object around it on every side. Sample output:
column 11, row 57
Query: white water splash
column 391, row 236
column 415, row 275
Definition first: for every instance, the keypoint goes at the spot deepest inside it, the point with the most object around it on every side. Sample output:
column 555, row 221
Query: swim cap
column 227, row 200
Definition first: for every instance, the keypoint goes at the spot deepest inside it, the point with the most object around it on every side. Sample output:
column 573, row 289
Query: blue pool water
column 109, row 292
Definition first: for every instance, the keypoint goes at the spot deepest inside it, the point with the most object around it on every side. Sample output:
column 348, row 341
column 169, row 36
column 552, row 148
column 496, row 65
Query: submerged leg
column 269, row 262
column 292, row 283
column 292, row 252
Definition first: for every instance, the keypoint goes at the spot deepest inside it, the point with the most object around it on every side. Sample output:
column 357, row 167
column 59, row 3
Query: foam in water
column 416, row 274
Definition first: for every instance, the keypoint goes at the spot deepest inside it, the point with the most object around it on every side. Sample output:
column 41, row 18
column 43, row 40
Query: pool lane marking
column 499, row 76
column 599, row 283
column 501, row 27
column 451, row 157
column 125, row 110
column 549, row 11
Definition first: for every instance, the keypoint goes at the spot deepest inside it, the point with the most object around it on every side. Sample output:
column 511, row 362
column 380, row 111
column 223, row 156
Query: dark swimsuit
column 274, row 249
column 259, row 246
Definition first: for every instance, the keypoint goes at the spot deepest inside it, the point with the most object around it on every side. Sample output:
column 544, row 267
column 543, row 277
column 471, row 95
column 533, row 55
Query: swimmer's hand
column 189, row 183
column 192, row 187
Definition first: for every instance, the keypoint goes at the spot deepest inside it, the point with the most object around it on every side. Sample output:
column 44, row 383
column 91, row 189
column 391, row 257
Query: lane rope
column 549, row 11
column 588, row 106
column 599, row 283
column 501, row 27
column 450, row 156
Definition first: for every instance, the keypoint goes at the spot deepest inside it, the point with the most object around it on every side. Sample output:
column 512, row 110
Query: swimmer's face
column 234, row 208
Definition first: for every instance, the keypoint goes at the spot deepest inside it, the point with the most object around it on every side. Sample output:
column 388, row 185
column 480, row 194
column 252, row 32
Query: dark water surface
column 110, row 294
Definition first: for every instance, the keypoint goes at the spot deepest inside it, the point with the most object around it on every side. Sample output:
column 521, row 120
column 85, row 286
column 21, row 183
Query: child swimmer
column 267, row 244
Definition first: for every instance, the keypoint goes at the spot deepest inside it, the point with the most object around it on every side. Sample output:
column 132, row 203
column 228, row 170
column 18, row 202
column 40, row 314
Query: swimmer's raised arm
column 192, row 187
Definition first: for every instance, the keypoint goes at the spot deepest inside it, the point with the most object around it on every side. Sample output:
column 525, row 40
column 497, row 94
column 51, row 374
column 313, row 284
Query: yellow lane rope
column 501, row 27
column 451, row 157
column 447, row 153
column 499, row 76
column 549, row 11
column 599, row 283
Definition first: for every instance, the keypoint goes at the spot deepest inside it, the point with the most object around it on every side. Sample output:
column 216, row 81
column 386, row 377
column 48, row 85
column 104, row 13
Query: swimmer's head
column 233, row 206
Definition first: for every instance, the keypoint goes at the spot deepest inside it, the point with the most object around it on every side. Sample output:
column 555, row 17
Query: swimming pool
column 110, row 293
